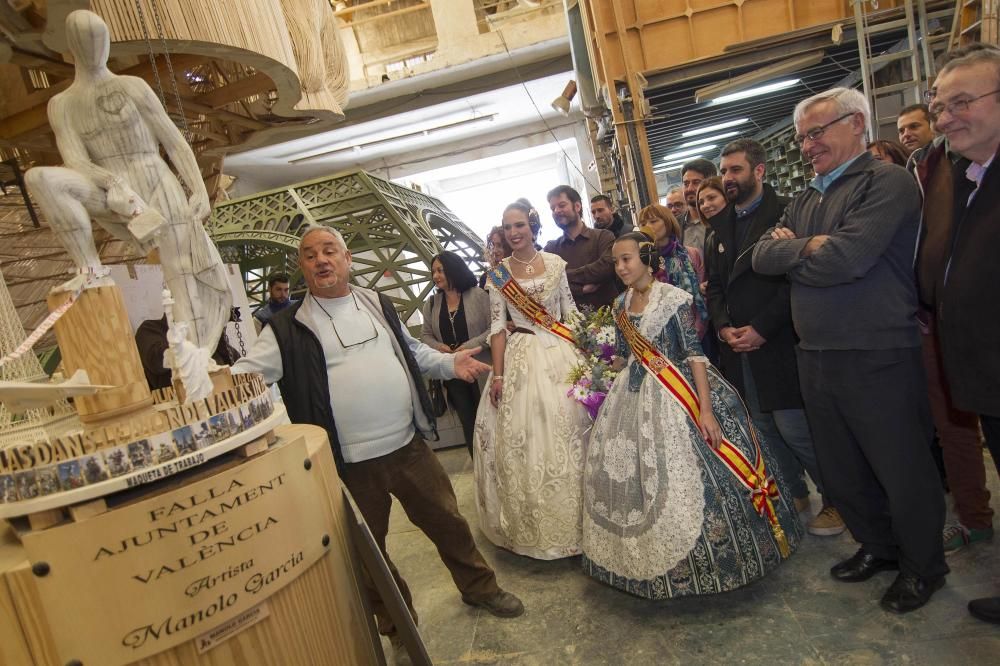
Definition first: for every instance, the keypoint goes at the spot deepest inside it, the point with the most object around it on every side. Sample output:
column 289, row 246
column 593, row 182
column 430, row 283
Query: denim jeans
column 787, row 434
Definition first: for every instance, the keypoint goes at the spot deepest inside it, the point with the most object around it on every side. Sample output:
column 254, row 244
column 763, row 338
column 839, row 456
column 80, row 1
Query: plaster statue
column 109, row 130
column 186, row 361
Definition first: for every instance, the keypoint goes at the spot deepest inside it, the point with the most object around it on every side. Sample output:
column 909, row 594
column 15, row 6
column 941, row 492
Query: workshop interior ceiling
column 675, row 110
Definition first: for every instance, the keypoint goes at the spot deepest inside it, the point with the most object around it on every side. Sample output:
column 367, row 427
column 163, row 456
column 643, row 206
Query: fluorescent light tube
column 715, row 128
column 685, row 153
column 754, row 92
column 707, row 139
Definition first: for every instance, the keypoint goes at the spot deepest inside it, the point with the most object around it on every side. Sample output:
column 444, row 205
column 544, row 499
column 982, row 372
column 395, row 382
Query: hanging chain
column 158, row 24
column 152, row 56
column 237, row 320
column 170, row 69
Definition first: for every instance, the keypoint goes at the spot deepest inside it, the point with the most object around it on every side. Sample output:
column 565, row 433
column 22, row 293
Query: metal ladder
column 916, row 49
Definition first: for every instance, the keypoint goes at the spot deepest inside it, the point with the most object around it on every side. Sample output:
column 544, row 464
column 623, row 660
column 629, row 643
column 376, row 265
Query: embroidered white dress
column 663, row 517
column 529, row 451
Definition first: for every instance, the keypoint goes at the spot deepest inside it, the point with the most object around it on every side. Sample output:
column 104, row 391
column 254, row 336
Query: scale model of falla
column 178, row 525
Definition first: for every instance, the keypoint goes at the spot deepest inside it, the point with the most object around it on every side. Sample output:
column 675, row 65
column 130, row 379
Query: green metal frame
column 393, row 232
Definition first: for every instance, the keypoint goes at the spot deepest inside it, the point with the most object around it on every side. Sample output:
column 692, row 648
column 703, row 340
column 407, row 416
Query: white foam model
column 109, row 130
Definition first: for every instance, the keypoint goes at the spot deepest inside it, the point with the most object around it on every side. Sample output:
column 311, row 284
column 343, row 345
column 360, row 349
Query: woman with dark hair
column 457, row 317
column 530, row 434
column 681, row 266
column 665, row 514
column 887, row 150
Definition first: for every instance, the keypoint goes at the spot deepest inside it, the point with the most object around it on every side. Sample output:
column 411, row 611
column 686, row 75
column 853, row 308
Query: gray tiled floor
column 797, row 615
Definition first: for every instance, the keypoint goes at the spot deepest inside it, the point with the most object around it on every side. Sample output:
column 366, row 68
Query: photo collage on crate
column 115, row 461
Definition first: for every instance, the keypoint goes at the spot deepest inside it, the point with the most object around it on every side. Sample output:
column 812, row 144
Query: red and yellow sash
column 753, row 476
column 526, row 305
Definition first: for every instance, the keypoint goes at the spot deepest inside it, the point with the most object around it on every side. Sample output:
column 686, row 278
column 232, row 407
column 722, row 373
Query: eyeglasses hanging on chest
column 354, row 336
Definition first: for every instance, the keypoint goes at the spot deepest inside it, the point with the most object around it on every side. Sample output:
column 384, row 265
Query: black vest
column 304, row 386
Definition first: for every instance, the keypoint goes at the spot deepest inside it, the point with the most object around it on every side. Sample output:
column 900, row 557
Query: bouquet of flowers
column 592, row 376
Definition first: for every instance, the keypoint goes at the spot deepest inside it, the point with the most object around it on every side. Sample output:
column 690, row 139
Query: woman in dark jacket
column 457, row 317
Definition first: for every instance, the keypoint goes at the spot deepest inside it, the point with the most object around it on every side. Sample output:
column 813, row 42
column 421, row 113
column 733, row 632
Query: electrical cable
column 538, row 111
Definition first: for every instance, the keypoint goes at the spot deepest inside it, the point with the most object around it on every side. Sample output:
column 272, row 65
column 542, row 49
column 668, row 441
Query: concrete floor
column 797, row 615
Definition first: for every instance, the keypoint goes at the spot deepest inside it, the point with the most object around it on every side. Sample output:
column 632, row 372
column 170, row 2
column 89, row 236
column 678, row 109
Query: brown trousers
column 958, row 434
column 415, row 476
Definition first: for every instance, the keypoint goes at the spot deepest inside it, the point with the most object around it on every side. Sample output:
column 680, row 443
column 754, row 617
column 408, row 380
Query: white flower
column 580, row 392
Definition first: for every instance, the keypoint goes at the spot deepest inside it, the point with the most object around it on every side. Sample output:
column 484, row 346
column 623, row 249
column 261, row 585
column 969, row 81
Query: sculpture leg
column 68, row 200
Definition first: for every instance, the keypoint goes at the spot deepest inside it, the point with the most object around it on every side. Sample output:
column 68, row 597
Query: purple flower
column 593, row 402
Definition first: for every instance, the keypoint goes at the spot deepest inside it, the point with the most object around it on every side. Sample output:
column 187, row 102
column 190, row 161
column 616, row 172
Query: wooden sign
column 141, row 579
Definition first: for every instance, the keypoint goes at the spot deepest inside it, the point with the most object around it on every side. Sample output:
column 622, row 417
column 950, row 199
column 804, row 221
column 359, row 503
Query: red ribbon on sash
column 526, row 305
column 753, row 476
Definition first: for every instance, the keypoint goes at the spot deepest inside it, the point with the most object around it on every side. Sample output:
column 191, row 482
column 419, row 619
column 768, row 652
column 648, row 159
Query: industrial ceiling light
column 715, row 128
column 561, row 103
column 743, row 82
column 707, row 139
column 687, row 153
column 673, row 166
column 754, row 92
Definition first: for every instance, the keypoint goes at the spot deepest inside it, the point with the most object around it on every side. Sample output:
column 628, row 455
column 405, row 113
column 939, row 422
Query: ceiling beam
column 227, row 94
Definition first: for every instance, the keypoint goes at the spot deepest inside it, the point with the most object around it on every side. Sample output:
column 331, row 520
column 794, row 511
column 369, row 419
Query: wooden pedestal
column 120, row 606
column 95, row 335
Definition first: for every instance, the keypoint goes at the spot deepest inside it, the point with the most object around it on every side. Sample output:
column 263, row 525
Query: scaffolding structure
column 393, row 233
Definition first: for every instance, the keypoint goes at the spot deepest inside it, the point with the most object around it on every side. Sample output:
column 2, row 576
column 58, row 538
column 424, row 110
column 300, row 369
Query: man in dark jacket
column 753, row 316
column 606, row 217
column 846, row 244
column 955, row 268
column 344, row 362
column 151, row 340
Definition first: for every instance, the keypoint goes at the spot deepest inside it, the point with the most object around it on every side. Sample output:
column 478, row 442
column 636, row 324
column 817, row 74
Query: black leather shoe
column 908, row 592
column 986, row 609
column 861, row 566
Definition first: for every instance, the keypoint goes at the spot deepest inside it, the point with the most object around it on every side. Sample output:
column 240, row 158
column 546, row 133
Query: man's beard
column 564, row 221
column 743, row 191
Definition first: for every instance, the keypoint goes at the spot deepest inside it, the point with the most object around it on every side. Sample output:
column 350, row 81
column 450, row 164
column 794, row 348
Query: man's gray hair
column 312, row 228
column 986, row 55
column 845, row 100
column 675, row 188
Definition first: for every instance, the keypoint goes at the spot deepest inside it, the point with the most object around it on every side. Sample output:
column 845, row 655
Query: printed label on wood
column 143, row 578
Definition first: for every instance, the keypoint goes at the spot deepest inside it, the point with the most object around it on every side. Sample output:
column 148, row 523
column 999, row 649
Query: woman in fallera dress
column 664, row 516
column 530, row 435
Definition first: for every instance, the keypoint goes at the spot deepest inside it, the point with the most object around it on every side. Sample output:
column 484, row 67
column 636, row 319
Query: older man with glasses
column 846, row 244
column 957, row 259
column 344, row 362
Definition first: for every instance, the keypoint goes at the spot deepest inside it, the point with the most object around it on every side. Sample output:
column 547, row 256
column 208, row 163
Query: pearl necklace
column 528, row 268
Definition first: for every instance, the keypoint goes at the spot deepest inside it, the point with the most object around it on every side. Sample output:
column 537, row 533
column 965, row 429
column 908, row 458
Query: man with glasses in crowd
column 846, row 244
column 957, row 259
column 675, row 201
column 344, row 362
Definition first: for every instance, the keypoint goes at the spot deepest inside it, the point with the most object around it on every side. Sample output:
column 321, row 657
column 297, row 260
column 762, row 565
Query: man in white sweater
column 344, row 362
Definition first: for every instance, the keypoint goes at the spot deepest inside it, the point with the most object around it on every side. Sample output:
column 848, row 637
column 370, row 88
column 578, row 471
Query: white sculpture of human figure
column 109, row 130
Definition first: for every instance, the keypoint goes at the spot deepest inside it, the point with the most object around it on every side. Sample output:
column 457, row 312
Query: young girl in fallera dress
column 664, row 515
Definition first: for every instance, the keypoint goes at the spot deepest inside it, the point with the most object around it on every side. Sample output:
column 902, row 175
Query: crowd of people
column 760, row 340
